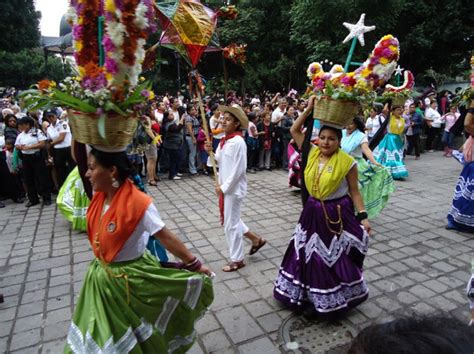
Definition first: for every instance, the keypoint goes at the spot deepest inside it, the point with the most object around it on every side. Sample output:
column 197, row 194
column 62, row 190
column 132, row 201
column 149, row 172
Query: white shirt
column 135, row 246
column 433, row 116
column 32, row 137
column 214, row 123
column 374, row 124
column 176, row 116
column 54, row 132
column 158, row 116
column 253, row 127
column 255, row 100
column 232, row 161
column 277, row 114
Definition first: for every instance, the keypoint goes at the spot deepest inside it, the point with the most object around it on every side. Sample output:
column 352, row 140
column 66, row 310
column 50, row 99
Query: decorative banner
column 188, row 28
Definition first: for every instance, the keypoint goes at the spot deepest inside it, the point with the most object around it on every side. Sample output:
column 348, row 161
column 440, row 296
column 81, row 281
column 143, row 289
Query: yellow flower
column 384, row 61
column 151, row 95
column 78, row 46
column 82, row 71
column 393, row 48
column 110, row 6
column 388, row 36
column 142, row 78
column 108, row 76
column 80, row 20
column 366, row 72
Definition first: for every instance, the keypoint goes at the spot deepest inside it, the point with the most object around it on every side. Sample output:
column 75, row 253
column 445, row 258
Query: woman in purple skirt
column 322, row 267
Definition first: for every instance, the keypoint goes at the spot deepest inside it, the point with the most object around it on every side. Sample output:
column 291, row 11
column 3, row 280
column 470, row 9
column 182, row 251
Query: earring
column 115, row 183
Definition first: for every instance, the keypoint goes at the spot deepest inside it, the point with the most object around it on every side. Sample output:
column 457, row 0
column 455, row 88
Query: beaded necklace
column 329, row 222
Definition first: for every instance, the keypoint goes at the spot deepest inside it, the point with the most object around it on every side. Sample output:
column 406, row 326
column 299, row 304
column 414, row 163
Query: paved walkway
column 414, row 264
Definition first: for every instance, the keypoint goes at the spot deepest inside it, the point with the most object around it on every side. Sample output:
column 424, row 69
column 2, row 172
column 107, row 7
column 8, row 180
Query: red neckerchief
column 221, row 195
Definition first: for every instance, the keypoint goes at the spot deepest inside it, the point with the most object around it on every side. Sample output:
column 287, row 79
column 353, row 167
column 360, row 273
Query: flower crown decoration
column 355, row 85
column 403, row 91
column 108, row 39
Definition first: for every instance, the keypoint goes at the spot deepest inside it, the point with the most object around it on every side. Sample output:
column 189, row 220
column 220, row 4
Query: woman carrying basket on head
column 322, row 266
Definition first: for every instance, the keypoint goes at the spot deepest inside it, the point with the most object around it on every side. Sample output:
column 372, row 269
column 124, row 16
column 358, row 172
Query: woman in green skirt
column 129, row 302
column 375, row 181
column 72, row 201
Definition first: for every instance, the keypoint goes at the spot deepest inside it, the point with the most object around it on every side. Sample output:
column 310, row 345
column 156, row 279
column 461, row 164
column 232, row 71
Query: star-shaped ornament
column 357, row 30
column 399, row 71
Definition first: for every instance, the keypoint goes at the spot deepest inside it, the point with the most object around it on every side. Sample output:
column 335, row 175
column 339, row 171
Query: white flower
column 71, row 14
column 116, row 31
column 140, row 16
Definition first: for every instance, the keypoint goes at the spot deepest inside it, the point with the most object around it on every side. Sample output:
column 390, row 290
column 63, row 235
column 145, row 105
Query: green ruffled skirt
column 138, row 307
column 375, row 184
column 72, row 201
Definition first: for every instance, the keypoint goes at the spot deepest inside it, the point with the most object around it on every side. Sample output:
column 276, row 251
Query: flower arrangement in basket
column 341, row 94
column 102, row 98
column 400, row 94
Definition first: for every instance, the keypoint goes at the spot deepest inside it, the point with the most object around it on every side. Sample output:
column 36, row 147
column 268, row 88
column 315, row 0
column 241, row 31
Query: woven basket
column 335, row 112
column 399, row 100
column 119, row 130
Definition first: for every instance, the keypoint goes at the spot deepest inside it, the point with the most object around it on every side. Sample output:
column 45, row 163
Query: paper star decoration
column 399, row 71
column 357, row 30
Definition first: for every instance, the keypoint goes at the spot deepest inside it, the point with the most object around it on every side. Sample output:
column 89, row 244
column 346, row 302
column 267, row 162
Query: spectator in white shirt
column 433, row 120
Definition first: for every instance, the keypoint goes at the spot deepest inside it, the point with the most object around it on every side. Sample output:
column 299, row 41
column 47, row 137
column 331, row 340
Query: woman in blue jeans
column 173, row 143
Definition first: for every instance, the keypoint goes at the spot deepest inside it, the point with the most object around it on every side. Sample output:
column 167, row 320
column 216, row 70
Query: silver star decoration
column 399, row 71
column 357, row 30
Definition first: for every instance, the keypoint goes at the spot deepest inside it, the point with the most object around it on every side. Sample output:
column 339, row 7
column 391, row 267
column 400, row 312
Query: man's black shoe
column 30, row 204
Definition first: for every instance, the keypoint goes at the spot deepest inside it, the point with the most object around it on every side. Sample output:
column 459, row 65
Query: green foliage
column 283, row 36
column 27, row 67
column 19, row 23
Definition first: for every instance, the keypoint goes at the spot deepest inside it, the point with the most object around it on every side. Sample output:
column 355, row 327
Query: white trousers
column 234, row 227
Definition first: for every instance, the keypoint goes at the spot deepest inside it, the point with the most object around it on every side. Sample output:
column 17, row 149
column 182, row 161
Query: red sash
column 221, row 195
column 109, row 231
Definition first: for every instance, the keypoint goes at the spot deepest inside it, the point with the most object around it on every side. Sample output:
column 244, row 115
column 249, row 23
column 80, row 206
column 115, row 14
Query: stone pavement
column 414, row 264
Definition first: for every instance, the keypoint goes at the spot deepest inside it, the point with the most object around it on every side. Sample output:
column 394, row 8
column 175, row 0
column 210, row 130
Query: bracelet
column 193, row 266
column 362, row 215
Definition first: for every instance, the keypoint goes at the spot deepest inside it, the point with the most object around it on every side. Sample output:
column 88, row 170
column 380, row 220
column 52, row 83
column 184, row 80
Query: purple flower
column 108, row 44
column 111, row 66
column 99, row 111
column 145, row 93
column 120, row 4
column 94, row 84
column 386, row 53
column 77, row 32
column 374, row 60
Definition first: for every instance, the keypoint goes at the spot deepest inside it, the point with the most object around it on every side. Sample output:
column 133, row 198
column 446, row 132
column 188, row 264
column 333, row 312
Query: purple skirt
column 320, row 268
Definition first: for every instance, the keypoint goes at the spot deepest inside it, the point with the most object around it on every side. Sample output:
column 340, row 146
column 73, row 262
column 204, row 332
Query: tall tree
column 19, row 23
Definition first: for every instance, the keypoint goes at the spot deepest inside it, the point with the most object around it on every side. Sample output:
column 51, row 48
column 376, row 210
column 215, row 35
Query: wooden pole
column 208, row 137
column 226, row 79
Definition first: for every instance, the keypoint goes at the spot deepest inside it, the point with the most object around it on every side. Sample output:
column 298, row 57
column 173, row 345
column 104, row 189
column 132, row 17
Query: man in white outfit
column 231, row 156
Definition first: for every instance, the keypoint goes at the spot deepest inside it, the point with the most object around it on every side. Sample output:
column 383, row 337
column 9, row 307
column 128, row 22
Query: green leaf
column 101, row 125
column 110, row 106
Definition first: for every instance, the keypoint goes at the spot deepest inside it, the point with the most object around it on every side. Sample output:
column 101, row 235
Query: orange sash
column 108, row 232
